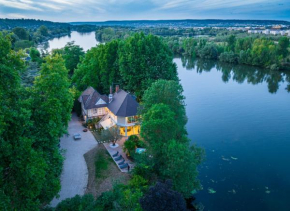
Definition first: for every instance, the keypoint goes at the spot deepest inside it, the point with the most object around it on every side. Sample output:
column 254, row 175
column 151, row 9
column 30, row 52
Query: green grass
column 102, row 162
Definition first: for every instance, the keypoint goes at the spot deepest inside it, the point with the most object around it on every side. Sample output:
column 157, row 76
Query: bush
column 83, row 203
column 92, row 122
column 131, row 144
column 162, row 197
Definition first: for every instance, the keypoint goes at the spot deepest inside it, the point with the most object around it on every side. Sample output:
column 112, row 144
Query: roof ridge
column 122, row 102
column 91, row 95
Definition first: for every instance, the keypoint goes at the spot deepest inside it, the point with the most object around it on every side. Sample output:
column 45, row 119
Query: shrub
column 162, row 197
column 131, row 144
column 84, row 203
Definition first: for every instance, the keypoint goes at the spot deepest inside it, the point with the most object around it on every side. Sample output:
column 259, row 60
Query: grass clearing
column 103, row 171
column 102, row 162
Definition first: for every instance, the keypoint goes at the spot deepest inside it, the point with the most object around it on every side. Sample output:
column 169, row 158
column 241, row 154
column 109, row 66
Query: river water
column 85, row 40
column 240, row 115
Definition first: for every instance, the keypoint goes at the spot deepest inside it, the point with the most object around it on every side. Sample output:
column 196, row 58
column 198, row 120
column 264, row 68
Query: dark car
column 77, row 136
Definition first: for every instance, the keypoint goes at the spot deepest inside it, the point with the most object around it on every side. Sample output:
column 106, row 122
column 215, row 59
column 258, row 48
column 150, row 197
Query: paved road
column 74, row 176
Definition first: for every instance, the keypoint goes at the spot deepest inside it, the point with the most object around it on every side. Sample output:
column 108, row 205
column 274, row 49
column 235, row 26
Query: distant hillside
column 186, row 23
column 29, row 24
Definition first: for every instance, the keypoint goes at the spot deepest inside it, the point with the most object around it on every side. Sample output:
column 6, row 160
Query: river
column 240, row 115
column 85, row 40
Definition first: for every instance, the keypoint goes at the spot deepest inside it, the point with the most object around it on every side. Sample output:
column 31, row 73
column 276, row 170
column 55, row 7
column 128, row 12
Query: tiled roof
column 94, row 98
column 123, row 103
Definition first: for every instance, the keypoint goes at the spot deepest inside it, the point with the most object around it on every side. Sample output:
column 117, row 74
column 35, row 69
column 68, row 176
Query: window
column 132, row 119
column 101, row 111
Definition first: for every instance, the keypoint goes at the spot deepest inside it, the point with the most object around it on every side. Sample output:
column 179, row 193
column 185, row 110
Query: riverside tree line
column 235, row 47
column 263, row 52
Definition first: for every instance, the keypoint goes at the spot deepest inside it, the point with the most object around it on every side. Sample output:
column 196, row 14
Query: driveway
column 74, row 177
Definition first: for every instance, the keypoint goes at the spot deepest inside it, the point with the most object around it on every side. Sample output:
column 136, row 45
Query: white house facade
column 118, row 109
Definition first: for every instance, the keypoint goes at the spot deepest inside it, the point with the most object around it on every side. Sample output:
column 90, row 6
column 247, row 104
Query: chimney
column 111, row 94
column 117, row 88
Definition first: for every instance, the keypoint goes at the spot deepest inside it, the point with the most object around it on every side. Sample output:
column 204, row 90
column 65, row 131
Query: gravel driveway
column 74, row 176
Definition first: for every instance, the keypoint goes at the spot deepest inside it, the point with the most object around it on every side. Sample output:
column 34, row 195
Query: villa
column 118, row 109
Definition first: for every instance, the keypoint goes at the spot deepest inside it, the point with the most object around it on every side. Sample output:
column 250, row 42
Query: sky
column 102, row 10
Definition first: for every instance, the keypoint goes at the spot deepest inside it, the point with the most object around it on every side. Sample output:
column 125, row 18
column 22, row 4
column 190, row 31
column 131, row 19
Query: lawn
column 102, row 162
column 103, row 172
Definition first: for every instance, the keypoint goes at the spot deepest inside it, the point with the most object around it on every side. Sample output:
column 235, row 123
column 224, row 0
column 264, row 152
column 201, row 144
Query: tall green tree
column 158, row 126
column 43, row 30
column 173, row 157
column 283, row 46
column 143, row 60
column 87, row 72
column 169, row 93
column 99, row 68
column 35, row 55
column 51, row 103
column 22, row 167
column 180, row 163
column 231, row 42
column 71, row 54
column 21, row 33
column 108, row 64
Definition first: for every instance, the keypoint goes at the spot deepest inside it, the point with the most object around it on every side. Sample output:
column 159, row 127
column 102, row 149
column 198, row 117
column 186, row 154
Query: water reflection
column 84, row 40
column 240, row 73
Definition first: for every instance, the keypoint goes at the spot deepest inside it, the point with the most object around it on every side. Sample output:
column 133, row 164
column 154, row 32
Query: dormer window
column 100, row 102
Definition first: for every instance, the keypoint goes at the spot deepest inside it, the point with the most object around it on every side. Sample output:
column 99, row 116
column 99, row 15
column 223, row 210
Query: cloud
column 13, row 15
column 99, row 10
column 50, row 6
column 18, row 5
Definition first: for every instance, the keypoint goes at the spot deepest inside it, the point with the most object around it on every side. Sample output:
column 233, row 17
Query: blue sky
column 101, row 10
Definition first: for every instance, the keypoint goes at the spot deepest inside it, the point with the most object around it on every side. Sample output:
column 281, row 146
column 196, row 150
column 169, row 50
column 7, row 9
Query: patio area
column 119, row 149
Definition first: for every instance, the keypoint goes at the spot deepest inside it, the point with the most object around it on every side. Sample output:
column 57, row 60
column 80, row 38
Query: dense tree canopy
column 134, row 63
column 173, row 158
column 21, row 33
column 163, row 128
column 99, row 68
column 21, row 167
column 257, row 51
column 143, row 60
column 71, row 54
column 31, row 122
column 169, row 93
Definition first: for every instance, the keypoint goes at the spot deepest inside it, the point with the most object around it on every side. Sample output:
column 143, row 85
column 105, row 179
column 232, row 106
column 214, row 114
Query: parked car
column 77, row 136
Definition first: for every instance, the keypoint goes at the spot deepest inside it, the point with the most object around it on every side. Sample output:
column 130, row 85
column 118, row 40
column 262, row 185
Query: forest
column 31, row 122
